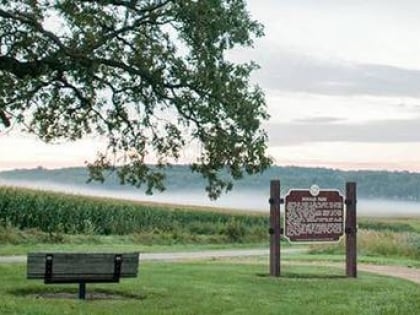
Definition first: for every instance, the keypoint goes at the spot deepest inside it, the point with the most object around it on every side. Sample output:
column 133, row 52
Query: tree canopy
column 149, row 75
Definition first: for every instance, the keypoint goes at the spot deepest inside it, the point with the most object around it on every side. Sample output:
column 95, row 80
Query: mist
column 244, row 200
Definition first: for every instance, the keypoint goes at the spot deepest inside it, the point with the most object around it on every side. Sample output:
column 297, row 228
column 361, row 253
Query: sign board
column 314, row 215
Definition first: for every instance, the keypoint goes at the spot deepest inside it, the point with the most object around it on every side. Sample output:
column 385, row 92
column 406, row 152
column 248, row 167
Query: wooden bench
column 82, row 268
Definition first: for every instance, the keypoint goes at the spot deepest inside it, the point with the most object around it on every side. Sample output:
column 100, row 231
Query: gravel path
column 174, row 256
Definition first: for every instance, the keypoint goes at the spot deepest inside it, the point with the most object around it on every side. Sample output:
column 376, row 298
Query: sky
column 342, row 86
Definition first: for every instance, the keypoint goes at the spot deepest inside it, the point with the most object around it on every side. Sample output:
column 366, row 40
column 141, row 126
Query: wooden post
column 274, row 229
column 351, row 231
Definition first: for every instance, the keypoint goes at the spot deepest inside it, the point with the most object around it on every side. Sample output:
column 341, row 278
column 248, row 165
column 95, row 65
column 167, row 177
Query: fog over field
column 247, row 200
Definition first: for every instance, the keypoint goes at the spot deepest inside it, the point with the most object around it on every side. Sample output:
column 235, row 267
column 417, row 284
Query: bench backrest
column 75, row 267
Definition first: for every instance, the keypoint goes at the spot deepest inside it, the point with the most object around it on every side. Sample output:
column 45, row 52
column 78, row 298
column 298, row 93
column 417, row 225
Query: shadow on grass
column 297, row 275
column 72, row 293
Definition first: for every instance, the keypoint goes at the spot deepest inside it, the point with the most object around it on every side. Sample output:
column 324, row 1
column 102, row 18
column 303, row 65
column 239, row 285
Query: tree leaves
column 149, row 75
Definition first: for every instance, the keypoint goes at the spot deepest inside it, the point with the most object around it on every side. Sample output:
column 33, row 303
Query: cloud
column 383, row 131
column 302, row 73
column 319, row 120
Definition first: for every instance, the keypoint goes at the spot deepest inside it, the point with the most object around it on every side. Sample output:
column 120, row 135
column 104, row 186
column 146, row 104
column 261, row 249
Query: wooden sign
column 314, row 215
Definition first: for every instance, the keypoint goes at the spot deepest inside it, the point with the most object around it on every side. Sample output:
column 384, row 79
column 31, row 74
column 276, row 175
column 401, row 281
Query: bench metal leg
column 82, row 290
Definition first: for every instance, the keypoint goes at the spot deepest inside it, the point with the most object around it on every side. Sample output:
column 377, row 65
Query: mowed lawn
column 215, row 287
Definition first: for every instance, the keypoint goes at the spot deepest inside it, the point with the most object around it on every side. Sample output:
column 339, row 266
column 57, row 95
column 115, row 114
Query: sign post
column 275, row 229
column 351, row 231
column 314, row 215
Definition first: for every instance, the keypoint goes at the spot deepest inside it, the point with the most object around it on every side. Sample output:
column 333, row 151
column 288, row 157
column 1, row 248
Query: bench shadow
column 293, row 275
column 72, row 293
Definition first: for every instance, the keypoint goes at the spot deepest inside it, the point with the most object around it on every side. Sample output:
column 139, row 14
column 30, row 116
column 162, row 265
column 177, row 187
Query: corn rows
column 62, row 213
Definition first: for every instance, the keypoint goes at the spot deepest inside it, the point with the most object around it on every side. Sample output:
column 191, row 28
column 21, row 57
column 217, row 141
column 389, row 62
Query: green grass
column 19, row 242
column 217, row 288
column 390, row 224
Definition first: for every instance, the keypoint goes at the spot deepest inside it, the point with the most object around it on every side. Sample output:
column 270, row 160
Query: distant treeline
column 371, row 184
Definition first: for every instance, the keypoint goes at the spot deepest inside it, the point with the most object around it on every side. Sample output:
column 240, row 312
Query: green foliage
column 150, row 76
column 13, row 235
column 378, row 243
column 386, row 226
column 235, row 230
column 58, row 214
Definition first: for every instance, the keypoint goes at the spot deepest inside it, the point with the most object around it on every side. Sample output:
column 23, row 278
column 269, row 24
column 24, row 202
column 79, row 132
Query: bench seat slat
column 88, row 265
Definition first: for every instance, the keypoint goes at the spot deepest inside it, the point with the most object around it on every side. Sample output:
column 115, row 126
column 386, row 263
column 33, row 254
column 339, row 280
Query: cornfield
column 71, row 214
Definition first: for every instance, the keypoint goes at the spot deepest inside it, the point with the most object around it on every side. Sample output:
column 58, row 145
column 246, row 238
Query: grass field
column 215, row 288
column 33, row 220
column 235, row 286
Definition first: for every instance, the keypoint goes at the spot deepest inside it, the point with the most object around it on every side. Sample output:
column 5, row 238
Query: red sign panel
column 311, row 217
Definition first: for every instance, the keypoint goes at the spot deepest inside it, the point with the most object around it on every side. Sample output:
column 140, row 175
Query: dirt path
column 411, row 274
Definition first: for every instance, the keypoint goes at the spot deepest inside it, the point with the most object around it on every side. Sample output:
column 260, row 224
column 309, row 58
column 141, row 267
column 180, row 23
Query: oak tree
column 150, row 76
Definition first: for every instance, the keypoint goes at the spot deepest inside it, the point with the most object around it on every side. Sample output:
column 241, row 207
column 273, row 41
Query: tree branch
column 4, row 119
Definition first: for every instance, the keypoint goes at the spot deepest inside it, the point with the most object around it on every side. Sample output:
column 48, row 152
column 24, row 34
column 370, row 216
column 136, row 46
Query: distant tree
column 150, row 75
